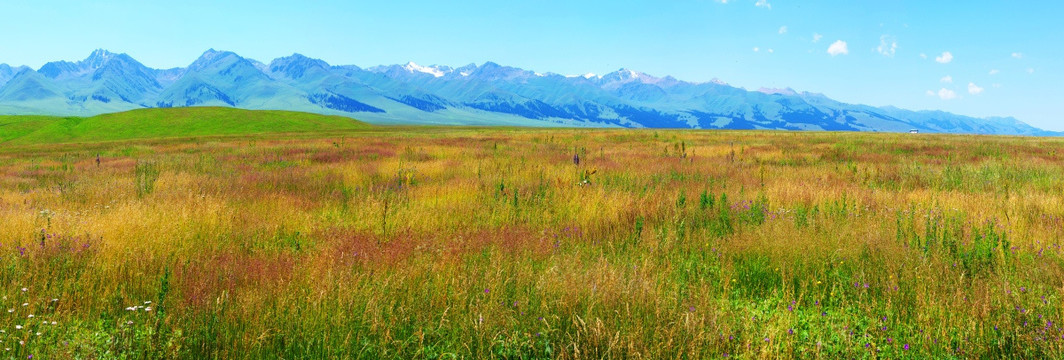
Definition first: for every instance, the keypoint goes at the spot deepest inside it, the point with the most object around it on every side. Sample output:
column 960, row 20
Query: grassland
column 165, row 123
column 493, row 243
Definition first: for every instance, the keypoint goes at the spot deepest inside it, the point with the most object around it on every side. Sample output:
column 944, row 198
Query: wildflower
column 10, row 310
column 24, row 289
column 790, row 331
column 18, row 327
column 147, row 308
column 487, row 291
column 30, row 316
column 147, row 302
column 25, row 304
column 53, row 323
column 906, row 347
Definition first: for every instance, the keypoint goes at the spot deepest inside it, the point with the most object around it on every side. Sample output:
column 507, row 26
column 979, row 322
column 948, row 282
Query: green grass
column 165, row 123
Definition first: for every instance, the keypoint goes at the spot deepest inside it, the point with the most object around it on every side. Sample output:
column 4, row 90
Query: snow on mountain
column 431, row 70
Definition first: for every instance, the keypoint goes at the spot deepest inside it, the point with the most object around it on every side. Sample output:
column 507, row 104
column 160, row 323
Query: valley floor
column 495, row 243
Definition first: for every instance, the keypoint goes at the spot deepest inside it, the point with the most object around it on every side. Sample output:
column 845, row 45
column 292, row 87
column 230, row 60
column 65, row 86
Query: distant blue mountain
column 488, row 94
column 7, row 72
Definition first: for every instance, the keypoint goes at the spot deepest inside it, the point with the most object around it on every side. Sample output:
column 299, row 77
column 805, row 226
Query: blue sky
column 1004, row 57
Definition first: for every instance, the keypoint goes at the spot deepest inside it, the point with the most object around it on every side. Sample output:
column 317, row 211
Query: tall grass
column 473, row 243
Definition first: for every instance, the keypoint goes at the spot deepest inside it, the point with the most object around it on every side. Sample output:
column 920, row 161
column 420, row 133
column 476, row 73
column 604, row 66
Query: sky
column 977, row 58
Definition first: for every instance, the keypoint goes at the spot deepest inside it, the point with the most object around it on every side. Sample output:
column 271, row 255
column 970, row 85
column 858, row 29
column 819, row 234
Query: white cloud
column 771, row 51
column 783, row 30
column 1017, row 55
column 817, row 37
column 888, row 45
column 722, row 1
column 923, row 56
column 838, row 48
column 1030, row 70
column 756, row 49
column 974, row 89
column 947, row 79
column 994, row 71
column 945, row 58
column 930, row 93
column 764, row 4
column 947, row 94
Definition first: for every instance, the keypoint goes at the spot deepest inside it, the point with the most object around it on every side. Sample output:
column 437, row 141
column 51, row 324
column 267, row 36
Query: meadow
column 371, row 242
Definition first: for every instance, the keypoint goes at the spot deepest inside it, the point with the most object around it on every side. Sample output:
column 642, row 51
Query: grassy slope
column 164, row 123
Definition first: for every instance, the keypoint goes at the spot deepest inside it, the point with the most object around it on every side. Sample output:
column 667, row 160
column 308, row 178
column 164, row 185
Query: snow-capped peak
column 585, row 76
column 624, row 76
column 628, row 74
column 431, row 70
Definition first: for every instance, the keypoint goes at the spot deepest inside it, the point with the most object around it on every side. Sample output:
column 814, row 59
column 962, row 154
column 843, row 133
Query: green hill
column 165, row 123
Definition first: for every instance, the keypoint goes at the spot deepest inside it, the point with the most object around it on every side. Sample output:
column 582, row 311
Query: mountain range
column 488, row 94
